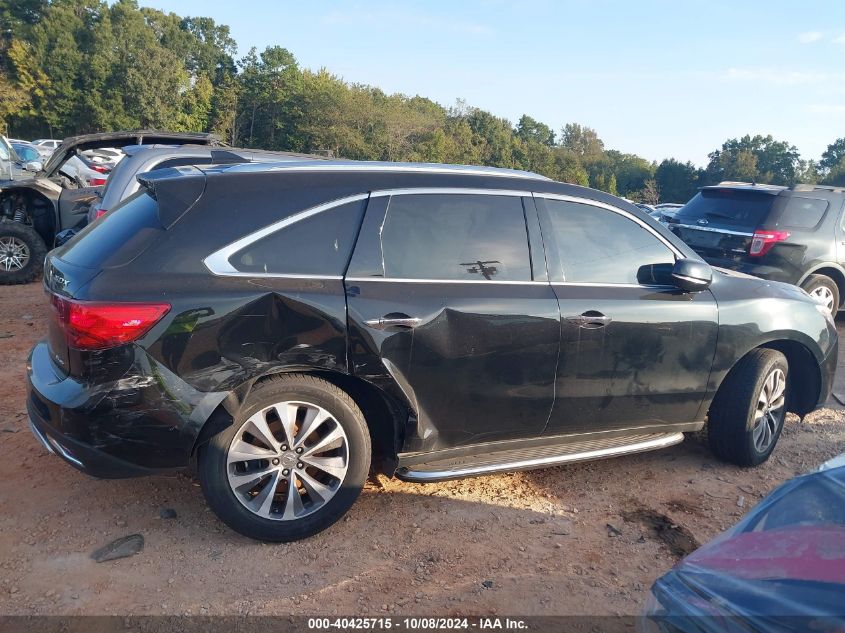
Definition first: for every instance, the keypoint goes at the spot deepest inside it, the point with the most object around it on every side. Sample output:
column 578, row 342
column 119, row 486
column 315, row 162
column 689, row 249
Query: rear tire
column 292, row 488
column 748, row 412
column 824, row 288
column 22, row 253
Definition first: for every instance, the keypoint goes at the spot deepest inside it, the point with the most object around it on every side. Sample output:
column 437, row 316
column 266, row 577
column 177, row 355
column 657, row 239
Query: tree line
column 77, row 66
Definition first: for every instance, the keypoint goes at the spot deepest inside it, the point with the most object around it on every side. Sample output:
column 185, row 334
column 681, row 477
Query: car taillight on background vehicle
column 100, row 168
column 90, row 325
column 100, row 213
column 762, row 241
column 96, row 182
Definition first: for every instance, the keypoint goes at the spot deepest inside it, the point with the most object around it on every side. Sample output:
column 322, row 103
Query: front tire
column 748, row 412
column 22, row 253
column 292, row 463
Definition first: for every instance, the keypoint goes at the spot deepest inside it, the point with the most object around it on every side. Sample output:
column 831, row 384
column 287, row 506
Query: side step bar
column 529, row 459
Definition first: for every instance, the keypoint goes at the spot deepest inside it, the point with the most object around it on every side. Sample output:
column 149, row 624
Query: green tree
column 758, row 159
column 836, row 174
column 529, row 129
column 581, row 140
column 677, row 181
column 833, row 155
column 12, row 99
column 631, row 171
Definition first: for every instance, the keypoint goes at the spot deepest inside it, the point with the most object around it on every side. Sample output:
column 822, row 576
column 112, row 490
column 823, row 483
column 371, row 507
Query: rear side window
column 117, row 237
column 598, row 246
column 727, row 208
column 802, row 213
column 317, row 245
column 456, row 237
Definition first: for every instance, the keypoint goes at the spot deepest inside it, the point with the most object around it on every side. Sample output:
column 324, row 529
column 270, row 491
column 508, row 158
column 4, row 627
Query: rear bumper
column 755, row 269
column 145, row 423
column 83, row 457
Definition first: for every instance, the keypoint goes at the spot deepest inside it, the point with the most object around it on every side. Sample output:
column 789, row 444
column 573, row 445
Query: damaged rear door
column 446, row 304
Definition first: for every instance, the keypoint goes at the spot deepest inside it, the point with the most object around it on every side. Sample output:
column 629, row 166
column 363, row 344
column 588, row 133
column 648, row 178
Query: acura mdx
column 279, row 328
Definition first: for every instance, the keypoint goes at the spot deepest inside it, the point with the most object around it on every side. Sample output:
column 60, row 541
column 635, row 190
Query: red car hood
column 811, row 552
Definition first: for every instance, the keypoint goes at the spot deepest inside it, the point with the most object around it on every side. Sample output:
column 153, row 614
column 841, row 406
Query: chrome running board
column 529, row 459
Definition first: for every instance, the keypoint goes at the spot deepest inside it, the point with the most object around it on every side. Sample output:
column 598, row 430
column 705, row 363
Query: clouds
column 810, row 36
column 781, row 77
column 826, row 108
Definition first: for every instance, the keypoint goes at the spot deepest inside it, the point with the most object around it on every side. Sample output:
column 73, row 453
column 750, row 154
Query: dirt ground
column 581, row 539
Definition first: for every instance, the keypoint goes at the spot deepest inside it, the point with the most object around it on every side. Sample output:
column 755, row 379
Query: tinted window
column 27, row 153
column 118, row 236
column 599, row 246
column 318, row 245
column 727, row 208
column 456, row 236
column 802, row 213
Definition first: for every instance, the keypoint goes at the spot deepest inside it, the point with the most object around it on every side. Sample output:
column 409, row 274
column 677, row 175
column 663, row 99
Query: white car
column 46, row 146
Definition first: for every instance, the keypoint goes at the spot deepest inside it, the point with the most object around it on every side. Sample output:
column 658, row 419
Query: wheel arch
column 385, row 416
column 834, row 271
column 45, row 224
column 804, row 374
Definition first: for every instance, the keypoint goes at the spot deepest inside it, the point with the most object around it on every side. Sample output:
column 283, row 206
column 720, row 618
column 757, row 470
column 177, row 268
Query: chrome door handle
column 591, row 319
column 385, row 322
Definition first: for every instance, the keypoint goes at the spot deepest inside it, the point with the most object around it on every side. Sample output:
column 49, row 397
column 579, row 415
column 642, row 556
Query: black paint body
column 490, row 365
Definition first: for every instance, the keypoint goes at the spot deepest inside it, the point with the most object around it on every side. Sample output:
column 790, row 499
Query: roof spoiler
column 176, row 189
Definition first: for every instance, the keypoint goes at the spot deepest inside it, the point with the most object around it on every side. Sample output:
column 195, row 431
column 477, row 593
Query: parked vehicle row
column 288, row 321
column 35, row 207
column 790, row 234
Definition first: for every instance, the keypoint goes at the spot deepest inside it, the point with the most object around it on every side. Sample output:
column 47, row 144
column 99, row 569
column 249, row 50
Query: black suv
column 276, row 325
column 795, row 235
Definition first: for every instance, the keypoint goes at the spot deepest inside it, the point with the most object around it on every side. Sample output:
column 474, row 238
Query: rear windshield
column 118, row 237
column 729, row 208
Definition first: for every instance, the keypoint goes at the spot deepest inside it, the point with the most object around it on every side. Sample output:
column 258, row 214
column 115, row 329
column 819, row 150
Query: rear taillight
column 100, row 213
column 96, row 182
column 762, row 241
column 100, row 168
column 92, row 325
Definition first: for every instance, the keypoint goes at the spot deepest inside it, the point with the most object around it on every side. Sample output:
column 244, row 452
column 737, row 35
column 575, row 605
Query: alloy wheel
column 287, row 460
column 824, row 295
column 14, row 254
column 770, row 411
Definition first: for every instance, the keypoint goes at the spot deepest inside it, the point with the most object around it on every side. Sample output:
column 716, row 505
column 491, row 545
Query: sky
column 658, row 78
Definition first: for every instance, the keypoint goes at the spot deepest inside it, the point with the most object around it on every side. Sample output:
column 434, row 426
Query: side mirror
column 33, row 165
column 692, row 275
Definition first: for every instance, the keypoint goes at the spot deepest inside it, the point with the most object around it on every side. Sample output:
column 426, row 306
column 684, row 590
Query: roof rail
column 739, row 183
column 807, row 187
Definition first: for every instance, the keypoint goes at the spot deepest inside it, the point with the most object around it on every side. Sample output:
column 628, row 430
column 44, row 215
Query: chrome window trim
column 601, row 284
column 709, row 230
column 408, row 280
column 411, row 191
column 617, row 210
column 218, row 262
